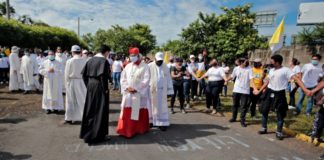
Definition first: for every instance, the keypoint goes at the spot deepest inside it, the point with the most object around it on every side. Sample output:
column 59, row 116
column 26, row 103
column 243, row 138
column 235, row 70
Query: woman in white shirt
column 216, row 78
column 117, row 67
column 295, row 68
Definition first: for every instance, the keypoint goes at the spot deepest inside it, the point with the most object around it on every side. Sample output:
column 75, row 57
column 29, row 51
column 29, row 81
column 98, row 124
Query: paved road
column 194, row 136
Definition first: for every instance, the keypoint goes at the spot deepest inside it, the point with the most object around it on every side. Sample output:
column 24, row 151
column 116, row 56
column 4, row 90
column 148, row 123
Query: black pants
column 178, row 90
column 240, row 101
column 4, row 74
column 292, row 96
column 212, row 93
column 254, row 99
column 318, row 124
column 276, row 101
column 194, row 87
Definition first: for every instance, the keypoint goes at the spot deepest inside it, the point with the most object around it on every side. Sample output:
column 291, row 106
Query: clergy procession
column 78, row 84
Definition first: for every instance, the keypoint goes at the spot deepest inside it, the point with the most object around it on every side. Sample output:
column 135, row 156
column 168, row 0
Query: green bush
column 13, row 32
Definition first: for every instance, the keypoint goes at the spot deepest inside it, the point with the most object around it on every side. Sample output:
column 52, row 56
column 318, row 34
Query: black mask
column 257, row 65
column 158, row 63
column 271, row 65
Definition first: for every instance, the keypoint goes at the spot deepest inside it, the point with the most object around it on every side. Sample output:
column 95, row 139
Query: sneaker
column 206, row 110
column 279, row 136
column 1, row 82
column 308, row 114
column 214, row 111
column 200, row 98
column 232, row 120
column 172, row 111
column 296, row 113
column 183, row 111
column 263, row 131
column 187, row 105
column 291, row 107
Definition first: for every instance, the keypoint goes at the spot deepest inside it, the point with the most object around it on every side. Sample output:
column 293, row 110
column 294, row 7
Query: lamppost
column 91, row 19
column 8, row 9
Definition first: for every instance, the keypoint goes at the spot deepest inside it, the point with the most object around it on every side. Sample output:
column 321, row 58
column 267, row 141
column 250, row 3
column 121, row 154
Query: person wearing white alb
column 75, row 88
column 27, row 70
column 311, row 73
column 15, row 79
column 62, row 58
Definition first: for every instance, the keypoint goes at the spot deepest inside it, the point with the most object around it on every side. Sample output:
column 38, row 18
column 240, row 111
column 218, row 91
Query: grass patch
column 300, row 124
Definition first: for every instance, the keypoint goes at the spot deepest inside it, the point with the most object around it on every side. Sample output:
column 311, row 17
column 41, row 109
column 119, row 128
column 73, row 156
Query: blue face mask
column 51, row 57
column 315, row 62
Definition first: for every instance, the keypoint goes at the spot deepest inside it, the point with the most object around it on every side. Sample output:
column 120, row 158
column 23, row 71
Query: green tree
column 120, row 38
column 3, row 9
column 227, row 36
column 311, row 36
column 88, row 39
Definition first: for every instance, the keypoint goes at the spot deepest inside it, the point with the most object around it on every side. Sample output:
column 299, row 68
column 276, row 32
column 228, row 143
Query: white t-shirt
column 215, row 74
column 296, row 69
column 116, row 66
column 278, row 78
column 191, row 67
column 242, row 82
column 311, row 74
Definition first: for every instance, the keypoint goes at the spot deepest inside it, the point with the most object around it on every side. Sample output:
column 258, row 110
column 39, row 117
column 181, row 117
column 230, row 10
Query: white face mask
column 133, row 59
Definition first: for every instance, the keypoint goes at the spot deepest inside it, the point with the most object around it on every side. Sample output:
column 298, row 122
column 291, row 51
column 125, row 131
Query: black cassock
column 94, row 126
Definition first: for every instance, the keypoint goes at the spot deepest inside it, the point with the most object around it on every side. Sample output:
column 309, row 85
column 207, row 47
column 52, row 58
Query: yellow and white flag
column 277, row 38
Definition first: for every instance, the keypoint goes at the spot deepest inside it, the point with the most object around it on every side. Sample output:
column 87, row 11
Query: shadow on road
column 12, row 120
column 11, row 156
column 176, row 135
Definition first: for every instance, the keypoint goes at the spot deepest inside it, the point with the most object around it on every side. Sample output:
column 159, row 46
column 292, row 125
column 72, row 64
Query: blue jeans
column 310, row 101
column 116, row 80
column 186, row 90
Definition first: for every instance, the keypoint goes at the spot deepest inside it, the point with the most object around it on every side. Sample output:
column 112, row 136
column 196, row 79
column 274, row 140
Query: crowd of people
column 146, row 84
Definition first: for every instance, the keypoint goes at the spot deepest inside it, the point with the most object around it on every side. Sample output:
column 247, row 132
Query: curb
column 289, row 132
column 302, row 137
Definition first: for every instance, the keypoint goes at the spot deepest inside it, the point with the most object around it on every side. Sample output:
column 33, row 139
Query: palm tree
column 3, row 9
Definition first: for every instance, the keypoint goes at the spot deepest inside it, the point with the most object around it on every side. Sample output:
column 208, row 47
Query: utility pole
column 8, row 9
column 79, row 27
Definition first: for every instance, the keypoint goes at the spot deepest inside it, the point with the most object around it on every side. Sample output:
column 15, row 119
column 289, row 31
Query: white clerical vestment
column 75, row 88
column 62, row 58
column 160, row 86
column 52, row 90
column 27, row 70
column 15, row 81
column 137, row 77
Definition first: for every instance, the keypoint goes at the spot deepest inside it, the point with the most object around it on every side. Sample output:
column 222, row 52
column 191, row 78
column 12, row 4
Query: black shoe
column 163, row 128
column 321, row 157
column 172, row 111
column 26, row 92
column 48, row 111
column 67, row 122
column 243, row 124
column 263, row 131
column 232, row 120
column 279, row 135
column 151, row 125
column 55, row 111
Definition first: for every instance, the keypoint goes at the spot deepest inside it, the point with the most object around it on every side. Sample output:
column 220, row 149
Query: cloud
column 166, row 18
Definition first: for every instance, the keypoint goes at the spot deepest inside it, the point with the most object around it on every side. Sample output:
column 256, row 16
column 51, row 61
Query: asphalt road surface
column 194, row 136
